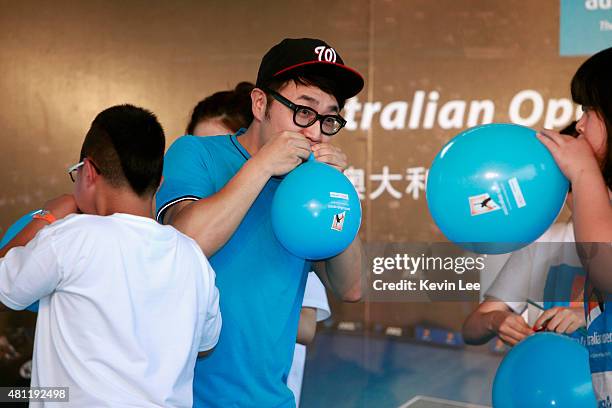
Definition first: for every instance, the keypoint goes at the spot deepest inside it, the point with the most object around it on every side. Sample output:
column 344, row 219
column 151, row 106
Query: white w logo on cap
column 324, row 53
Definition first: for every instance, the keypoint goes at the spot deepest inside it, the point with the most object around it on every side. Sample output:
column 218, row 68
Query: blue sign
column 585, row 26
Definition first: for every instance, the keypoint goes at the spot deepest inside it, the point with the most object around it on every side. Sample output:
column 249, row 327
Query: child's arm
column 29, row 273
column 307, row 326
column 59, row 207
column 491, row 318
column 28, row 266
column 203, row 354
column 213, row 322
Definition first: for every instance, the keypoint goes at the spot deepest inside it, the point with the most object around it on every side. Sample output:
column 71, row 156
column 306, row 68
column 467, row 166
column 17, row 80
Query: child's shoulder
column 188, row 242
column 80, row 224
column 76, row 228
column 93, row 224
column 77, row 221
column 183, row 238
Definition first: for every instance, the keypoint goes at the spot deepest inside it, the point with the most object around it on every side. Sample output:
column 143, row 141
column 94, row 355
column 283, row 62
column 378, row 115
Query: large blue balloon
column 544, row 370
column 10, row 234
column 316, row 212
column 495, row 188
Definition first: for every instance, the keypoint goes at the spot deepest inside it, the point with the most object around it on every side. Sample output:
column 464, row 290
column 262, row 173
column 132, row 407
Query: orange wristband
column 45, row 215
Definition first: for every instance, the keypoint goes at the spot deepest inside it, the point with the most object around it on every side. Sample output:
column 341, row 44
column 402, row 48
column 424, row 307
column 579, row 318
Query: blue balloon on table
column 544, row 370
column 10, row 233
column 316, row 212
column 495, row 188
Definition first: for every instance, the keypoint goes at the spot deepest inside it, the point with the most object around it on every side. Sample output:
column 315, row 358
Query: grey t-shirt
column 525, row 274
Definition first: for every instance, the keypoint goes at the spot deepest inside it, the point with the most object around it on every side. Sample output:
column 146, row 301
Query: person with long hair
column 586, row 161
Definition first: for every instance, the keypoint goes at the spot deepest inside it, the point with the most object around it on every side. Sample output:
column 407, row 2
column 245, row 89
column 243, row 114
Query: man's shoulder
column 196, row 144
column 201, row 151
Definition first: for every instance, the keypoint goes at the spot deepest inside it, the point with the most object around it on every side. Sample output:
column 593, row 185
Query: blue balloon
column 316, row 212
column 10, row 234
column 495, row 188
column 544, row 370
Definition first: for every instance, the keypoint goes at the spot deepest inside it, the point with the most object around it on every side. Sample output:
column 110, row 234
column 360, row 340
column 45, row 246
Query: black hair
column 301, row 77
column 127, row 143
column 570, row 129
column 233, row 108
column 592, row 87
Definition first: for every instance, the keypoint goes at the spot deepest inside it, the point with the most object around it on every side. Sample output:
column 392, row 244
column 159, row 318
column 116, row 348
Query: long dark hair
column 592, row 87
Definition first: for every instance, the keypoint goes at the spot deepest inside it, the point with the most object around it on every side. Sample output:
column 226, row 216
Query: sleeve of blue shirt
column 186, row 174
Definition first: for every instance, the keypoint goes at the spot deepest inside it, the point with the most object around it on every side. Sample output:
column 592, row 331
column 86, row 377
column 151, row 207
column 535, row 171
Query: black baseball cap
column 312, row 56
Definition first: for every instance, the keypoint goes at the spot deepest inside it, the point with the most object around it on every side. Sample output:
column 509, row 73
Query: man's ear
column 90, row 173
column 259, row 103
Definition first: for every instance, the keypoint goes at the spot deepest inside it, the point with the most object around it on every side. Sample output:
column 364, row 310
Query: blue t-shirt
column 261, row 284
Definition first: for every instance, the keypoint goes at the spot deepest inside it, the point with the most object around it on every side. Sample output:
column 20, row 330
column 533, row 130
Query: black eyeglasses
column 304, row 116
column 72, row 169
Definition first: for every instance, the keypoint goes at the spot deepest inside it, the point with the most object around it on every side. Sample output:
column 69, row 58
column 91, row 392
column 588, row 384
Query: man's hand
column 510, row 327
column 561, row 319
column 330, row 154
column 283, row 153
column 62, row 206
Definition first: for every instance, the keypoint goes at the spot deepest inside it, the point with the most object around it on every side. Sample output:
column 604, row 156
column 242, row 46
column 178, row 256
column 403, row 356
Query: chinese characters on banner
column 410, row 183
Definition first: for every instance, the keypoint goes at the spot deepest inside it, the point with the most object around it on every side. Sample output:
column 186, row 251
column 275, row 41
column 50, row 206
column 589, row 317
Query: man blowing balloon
column 219, row 190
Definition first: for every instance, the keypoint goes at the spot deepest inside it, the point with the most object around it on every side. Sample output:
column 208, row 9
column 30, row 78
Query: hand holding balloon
column 574, row 155
column 330, row 154
column 316, row 212
column 284, row 152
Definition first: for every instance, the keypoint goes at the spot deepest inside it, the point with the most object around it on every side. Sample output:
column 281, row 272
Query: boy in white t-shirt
column 126, row 304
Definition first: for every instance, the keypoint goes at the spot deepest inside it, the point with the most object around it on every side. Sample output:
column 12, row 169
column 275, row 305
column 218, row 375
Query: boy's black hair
column 127, row 144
